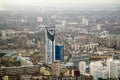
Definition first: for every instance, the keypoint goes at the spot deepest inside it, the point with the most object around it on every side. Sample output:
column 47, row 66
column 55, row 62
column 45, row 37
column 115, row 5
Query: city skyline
column 59, row 40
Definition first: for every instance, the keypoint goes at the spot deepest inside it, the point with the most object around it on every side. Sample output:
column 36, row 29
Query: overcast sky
column 9, row 3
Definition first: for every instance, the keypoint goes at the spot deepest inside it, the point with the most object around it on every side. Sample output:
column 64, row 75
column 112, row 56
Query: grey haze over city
column 16, row 4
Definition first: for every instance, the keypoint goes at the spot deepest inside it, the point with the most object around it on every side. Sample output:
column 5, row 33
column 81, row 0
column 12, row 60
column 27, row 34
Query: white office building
column 102, row 73
column 82, row 67
column 108, row 65
column 115, row 69
column 94, row 66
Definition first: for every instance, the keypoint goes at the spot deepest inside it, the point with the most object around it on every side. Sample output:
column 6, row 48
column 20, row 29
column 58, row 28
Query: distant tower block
column 50, row 45
column 4, row 36
column 82, row 67
column 84, row 21
column 39, row 19
column 118, row 42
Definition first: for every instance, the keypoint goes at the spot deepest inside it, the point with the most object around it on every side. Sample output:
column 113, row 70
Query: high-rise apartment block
column 113, row 41
column 115, row 69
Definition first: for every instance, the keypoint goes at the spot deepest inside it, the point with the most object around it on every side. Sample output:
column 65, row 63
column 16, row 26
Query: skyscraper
column 50, row 45
column 59, row 52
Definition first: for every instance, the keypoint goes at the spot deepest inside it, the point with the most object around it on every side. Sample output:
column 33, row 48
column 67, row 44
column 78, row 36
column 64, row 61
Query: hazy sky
column 8, row 3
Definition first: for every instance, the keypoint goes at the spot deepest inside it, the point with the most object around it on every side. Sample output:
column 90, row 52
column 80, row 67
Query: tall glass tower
column 50, row 45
